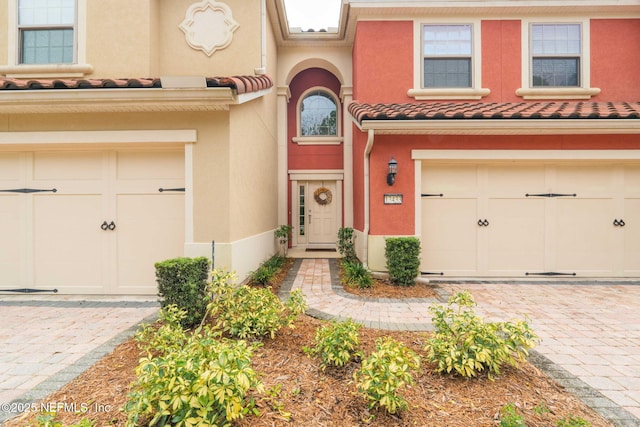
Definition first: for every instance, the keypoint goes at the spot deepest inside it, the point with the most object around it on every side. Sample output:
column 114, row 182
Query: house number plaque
column 393, row 199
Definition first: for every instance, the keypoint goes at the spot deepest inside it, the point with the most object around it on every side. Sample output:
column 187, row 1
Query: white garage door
column 89, row 222
column 520, row 219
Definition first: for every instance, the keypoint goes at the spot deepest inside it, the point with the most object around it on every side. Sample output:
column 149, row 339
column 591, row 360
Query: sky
column 313, row 14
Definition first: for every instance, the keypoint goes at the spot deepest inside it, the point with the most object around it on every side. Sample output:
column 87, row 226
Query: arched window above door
column 318, row 118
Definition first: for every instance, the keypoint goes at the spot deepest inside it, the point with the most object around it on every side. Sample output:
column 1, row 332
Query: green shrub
column 244, row 312
column 356, row 274
column 183, row 282
column 346, row 244
column 385, row 372
column 403, row 259
column 509, row 417
column 336, row 343
column 464, row 343
column 572, row 421
column 267, row 270
column 191, row 380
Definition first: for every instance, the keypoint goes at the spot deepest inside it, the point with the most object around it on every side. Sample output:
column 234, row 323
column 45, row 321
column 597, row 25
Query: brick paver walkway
column 590, row 333
column 46, row 343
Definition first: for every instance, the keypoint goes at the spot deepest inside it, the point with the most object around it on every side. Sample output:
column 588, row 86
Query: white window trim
column 319, row 139
column 16, row 70
column 475, row 91
column 585, row 91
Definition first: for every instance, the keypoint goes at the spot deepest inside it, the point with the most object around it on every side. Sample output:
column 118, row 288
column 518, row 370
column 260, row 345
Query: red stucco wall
column 383, row 61
column 501, row 60
column 615, row 59
column 383, row 72
column 399, row 219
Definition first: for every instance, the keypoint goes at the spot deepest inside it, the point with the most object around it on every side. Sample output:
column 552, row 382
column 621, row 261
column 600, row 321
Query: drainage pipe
column 367, row 196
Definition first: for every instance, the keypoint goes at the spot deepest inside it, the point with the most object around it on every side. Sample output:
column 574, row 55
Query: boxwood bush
column 183, row 282
column 403, row 259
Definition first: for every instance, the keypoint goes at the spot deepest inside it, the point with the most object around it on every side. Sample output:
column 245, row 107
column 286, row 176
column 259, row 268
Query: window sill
column 46, row 70
column 318, row 140
column 445, row 93
column 557, row 93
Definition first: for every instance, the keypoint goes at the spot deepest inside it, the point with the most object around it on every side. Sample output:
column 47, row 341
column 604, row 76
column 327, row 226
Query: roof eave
column 501, row 127
column 122, row 100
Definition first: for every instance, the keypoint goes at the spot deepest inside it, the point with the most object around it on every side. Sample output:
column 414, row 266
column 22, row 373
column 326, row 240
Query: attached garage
column 530, row 218
column 91, row 220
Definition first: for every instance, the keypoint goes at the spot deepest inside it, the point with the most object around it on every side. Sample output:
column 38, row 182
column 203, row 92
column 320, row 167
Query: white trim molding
column 535, row 155
column 99, row 137
column 584, row 91
column 79, row 68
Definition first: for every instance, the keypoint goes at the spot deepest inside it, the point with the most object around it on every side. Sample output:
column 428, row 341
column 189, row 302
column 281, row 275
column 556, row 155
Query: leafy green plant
column 198, row 379
column 267, row 270
column 166, row 334
column 356, row 274
column 385, row 372
column 183, row 282
column 336, row 343
column 403, row 259
column 464, row 343
column 48, row 419
column 541, row 409
column 283, row 234
column 272, row 395
column 509, row 417
column 572, row 421
column 245, row 312
column 346, row 244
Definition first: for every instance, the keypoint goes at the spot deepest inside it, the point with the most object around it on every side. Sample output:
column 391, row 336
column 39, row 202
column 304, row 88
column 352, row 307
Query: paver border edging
column 583, row 391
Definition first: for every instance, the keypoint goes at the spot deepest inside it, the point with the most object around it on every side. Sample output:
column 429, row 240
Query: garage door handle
column 483, row 222
column 618, row 222
column 108, row 226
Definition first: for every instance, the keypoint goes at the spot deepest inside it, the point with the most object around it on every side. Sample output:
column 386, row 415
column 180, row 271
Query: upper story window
column 318, row 118
column 46, row 39
column 556, row 58
column 447, row 53
column 447, row 61
column 318, row 115
column 555, row 55
column 46, row 31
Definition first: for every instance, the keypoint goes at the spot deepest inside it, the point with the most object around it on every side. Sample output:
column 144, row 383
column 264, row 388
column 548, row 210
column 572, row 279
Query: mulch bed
column 314, row 398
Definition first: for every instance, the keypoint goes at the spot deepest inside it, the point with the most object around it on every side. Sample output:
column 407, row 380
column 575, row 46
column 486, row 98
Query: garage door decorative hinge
column 162, row 190
column 29, row 290
column 551, row 195
column 550, row 273
column 28, row 190
column 432, row 195
column 431, row 273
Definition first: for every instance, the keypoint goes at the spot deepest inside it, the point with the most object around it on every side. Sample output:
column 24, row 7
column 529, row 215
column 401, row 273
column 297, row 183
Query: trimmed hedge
column 403, row 259
column 182, row 282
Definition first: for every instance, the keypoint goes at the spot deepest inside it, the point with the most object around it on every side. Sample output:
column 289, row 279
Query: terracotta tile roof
column 242, row 84
column 502, row 110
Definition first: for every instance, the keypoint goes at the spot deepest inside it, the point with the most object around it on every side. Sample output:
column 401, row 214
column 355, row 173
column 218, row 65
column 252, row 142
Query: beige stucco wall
column 142, row 38
column 4, row 17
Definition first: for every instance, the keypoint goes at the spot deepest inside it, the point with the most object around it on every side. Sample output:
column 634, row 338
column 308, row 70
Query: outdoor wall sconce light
column 393, row 170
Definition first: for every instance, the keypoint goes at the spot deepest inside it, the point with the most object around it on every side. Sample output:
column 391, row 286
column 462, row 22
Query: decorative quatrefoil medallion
column 209, row 26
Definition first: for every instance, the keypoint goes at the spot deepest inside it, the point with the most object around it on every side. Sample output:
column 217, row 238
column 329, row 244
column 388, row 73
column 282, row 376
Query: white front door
column 322, row 213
